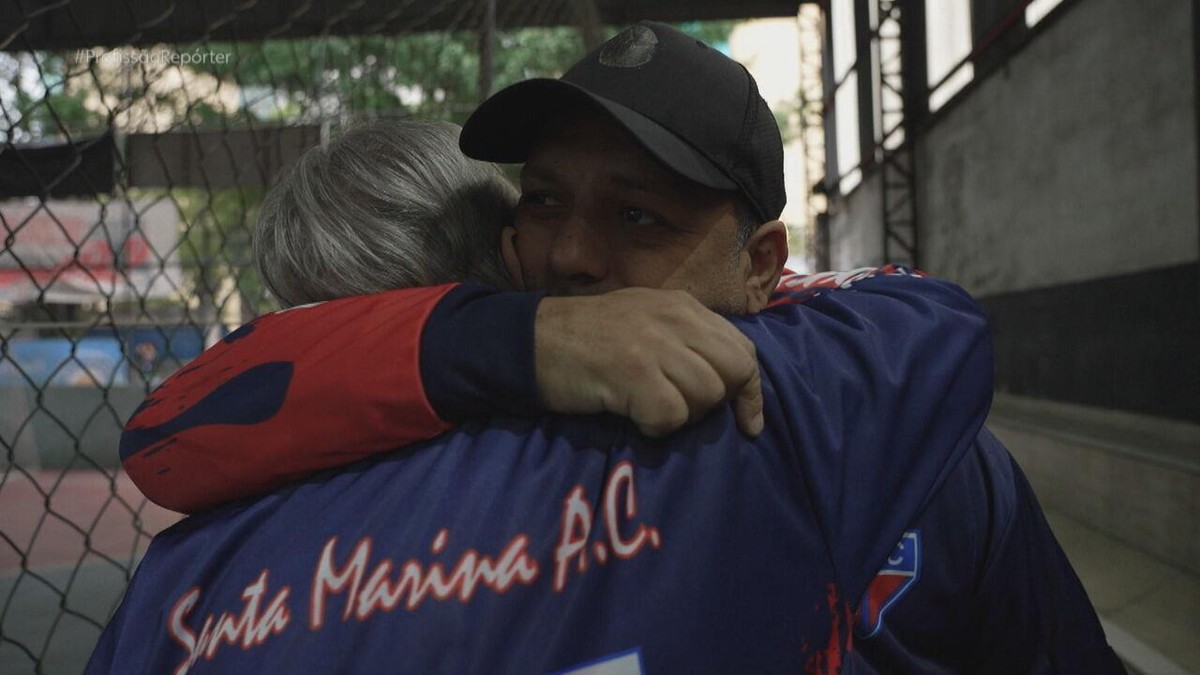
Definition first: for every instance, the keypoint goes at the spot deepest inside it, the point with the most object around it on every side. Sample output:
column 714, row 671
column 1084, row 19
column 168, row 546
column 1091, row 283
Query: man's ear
column 508, row 253
column 768, row 250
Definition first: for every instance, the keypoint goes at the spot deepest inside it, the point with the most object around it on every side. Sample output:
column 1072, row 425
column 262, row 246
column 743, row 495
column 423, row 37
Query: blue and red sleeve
column 324, row 385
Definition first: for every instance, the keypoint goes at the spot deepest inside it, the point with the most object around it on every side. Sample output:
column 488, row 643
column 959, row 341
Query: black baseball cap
column 696, row 110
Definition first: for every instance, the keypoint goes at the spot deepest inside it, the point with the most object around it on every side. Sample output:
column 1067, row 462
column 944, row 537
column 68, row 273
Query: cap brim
column 506, row 125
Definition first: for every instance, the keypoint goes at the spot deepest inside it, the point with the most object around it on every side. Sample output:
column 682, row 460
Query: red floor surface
column 55, row 518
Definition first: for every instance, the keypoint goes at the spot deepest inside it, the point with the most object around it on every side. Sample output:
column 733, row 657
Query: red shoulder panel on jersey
column 170, row 446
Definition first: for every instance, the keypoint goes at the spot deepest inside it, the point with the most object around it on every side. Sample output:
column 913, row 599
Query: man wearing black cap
column 624, row 186
column 597, row 213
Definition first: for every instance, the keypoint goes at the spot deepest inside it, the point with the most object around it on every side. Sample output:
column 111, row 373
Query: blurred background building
column 1041, row 153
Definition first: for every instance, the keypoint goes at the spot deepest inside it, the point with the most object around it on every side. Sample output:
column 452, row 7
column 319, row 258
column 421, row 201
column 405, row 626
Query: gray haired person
column 384, row 205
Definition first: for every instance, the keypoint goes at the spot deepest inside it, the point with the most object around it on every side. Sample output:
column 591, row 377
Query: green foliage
column 39, row 101
column 421, row 74
column 328, row 79
column 214, row 242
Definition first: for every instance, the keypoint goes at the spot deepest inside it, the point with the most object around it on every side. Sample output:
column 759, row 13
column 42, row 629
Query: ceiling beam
column 81, row 24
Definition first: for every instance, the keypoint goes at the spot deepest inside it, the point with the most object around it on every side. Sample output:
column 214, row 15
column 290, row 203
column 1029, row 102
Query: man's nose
column 580, row 253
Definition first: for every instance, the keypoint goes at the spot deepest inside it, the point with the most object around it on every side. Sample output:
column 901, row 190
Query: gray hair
column 385, row 205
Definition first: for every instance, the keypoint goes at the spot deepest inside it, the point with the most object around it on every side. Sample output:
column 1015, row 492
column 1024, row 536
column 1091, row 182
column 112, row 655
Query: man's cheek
column 531, row 250
column 532, row 256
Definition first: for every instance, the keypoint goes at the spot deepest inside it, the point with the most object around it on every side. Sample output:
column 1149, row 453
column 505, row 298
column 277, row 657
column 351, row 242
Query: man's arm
column 325, row 385
column 879, row 380
column 466, row 351
column 657, row 357
column 226, row 426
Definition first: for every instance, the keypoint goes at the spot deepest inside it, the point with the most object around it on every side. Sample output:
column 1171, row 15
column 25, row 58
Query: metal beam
column 864, row 64
column 83, row 168
column 487, row 47
column 216, row 159
column 896, row 150
column 587, row 17
column 915, row 71
column 829, row 83
column 80, row 25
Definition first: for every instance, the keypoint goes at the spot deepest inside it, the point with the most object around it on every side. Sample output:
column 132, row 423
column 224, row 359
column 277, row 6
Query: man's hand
column 657, row 357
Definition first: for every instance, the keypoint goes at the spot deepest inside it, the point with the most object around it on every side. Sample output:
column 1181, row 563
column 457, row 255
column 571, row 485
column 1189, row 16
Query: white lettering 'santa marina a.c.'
column 355, row 585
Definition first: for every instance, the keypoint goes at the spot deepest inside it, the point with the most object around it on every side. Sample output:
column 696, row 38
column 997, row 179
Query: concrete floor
column 1151, row 610
column 1122, row 492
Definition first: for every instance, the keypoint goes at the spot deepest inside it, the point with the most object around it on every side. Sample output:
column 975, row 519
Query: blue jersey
column 557, row 544
column 979, row 584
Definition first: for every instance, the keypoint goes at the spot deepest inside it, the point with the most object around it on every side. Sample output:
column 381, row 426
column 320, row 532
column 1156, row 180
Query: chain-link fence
column 138, row 139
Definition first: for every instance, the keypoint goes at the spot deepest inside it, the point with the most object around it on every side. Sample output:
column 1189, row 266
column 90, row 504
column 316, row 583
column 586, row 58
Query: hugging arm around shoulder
column 879, row 382
column 324, row 385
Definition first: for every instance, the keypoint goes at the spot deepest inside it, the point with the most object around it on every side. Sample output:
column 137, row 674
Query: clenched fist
column 658, row 357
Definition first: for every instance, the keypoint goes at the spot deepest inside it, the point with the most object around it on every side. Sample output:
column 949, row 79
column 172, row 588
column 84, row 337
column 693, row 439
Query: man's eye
column 538, row 199
column 632, row 215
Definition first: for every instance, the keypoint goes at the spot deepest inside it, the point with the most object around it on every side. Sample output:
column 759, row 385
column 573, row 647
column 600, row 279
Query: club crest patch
column 632, row 48
column 899, row 573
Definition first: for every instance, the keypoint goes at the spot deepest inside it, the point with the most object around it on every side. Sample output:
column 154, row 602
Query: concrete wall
column 1134, row 477
column 1062, row 190
column 855, row 227
column 1077, row 160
